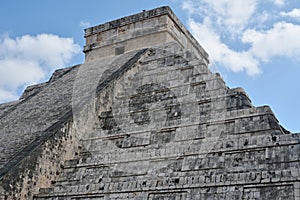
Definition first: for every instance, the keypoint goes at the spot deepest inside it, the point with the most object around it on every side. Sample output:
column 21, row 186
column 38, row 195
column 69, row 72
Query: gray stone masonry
column 145, row 29
column 149, row 122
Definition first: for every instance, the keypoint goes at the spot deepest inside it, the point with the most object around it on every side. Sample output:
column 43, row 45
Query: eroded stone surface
column 150, row 123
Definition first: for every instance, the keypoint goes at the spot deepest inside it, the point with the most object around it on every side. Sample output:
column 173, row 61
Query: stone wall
column 43, row 167
column 144, row 123
column 170, row 129
column 146, row 29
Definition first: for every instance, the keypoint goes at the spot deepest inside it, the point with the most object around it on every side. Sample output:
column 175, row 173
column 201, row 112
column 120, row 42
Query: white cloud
column 232, row 15
column 47, row 49
column 6, row 96
column 279, row 2
column 295, row 13
column 220, row 52
column 281, row 40
column 189, row 6
column 28, row 59
column 16, row 72
column 84, row 24
column 242, row 35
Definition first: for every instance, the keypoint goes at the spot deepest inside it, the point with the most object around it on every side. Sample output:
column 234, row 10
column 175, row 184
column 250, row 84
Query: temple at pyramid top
column 145, row 29
column 143, row 118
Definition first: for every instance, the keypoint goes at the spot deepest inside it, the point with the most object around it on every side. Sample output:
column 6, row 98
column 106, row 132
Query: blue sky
column 254, row 44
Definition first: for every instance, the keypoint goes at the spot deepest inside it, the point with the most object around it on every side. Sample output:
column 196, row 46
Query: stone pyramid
column 143, row 118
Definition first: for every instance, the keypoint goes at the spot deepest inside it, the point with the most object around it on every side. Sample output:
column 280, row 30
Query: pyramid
column 143, row 118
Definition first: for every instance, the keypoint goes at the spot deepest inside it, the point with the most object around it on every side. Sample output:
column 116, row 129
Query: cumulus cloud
column 189, row 7
column 239, row 35
column 220, row 52
column 28, row 59
column 279, row 2
column 232, row 15
column 84, row 24
column 6, row 96
column 295, row 13
column 281, row 40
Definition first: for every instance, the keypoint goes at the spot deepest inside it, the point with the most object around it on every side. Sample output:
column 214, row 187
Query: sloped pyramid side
column 143, row 118
column 168, row 128
column 39, row 144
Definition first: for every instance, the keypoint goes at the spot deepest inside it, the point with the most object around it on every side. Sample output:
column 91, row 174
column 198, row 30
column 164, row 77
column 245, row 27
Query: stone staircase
column 217, row 146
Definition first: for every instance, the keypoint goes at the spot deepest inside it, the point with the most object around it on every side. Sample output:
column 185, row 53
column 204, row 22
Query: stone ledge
column 128, row 20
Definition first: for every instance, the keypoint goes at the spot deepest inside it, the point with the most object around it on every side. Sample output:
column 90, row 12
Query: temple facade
column 144, row 118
